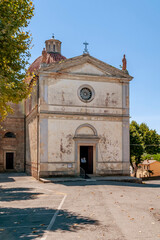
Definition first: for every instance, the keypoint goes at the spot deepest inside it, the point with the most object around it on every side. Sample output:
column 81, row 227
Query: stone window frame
column 90, row 88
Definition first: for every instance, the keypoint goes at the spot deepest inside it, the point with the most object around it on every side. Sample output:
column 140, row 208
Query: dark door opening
column 86, row 158
column 9, row 160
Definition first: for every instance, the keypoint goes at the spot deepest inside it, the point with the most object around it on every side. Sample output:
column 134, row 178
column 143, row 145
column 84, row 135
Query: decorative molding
column 83, row 114
column 90, row 88
column 79, row 77
column 86, row 125
column 76, row 61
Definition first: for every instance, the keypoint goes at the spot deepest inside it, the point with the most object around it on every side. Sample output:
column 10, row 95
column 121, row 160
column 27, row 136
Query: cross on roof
column 85, row 48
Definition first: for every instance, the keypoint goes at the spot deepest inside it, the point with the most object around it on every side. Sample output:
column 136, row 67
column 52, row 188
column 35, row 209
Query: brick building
column 12, row 141
column 148, row 168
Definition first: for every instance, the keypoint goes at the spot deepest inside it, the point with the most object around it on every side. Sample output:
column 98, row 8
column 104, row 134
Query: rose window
column 85, row 94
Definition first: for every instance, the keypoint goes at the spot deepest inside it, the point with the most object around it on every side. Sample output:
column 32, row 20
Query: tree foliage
column 151, row 157
column 136, row 143
column 14, row 51
column 151, row 142
column 143, row 142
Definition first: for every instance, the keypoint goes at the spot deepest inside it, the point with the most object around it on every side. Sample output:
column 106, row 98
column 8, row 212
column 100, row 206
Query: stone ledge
column 75, row 179
column 61, row 179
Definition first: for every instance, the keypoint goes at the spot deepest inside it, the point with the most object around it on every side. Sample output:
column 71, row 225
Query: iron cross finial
column 85, row 48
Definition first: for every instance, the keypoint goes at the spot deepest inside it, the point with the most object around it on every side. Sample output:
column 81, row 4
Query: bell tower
column 53, row 45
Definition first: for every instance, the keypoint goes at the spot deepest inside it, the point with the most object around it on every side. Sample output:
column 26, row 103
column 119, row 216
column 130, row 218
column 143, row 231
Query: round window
column 86, row 93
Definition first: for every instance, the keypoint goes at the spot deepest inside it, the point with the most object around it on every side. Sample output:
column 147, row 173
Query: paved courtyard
column 91, row 210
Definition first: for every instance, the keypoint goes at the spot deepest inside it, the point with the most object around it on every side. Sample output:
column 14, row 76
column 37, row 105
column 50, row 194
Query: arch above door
column 86, row 131
column 86, row 136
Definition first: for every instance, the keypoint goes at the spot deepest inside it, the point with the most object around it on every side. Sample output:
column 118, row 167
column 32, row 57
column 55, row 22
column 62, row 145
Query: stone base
column 57, row 174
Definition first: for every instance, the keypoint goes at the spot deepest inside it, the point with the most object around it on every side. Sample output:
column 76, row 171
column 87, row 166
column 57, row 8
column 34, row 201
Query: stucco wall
column 59, row 151
column 31, row 147
column 62, row 112
column 64, row 92
column 142, row 171
column 155, row 167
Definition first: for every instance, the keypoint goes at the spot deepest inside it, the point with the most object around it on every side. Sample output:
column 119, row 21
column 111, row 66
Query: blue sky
column 112, row 28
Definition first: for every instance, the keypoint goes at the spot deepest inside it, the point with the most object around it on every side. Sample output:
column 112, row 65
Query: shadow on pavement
column 109, row 183
column 15, row 194
column 69, row 221
column 9, row 176
column 30, row 223
column 6, row 179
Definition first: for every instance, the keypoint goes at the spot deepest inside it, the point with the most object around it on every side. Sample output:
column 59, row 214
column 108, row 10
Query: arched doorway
column 86, row 148
column 86, row 159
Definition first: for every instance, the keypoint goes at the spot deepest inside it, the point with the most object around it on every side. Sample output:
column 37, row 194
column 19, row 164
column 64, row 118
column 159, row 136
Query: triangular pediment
column 86, row 65
column 86, row 69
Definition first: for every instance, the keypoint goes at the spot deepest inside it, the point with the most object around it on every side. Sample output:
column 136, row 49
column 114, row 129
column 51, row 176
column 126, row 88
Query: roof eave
column 89, row 58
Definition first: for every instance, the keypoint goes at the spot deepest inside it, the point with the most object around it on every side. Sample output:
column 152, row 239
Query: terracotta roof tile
column 147, row 162
column 51, row 57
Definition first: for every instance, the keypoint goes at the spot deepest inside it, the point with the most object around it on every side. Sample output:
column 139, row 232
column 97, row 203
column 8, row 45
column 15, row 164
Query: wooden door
column 90, row 160
column 83, row 154
column 9, row 160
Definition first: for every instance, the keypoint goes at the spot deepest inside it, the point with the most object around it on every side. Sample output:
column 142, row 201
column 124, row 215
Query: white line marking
column 54, row 218
column 56, row 213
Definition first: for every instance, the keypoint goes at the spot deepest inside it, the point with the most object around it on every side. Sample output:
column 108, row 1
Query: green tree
column 14, row 51
column 151, row 157
column 143, row 128
column 150, row 139
column 151, row 142
column 144, row 144
column 136, row 146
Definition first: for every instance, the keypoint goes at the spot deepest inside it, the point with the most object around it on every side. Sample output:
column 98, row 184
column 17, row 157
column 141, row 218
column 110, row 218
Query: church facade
column 77, row 118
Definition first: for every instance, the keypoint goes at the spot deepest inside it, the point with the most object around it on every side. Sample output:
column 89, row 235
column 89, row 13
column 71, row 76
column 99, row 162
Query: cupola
column 53, row 45
column 50, row 54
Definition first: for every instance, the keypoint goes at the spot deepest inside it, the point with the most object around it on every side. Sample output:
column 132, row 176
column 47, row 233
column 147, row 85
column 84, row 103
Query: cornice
column 83, row 114
column 86, row 77
column 85, row 58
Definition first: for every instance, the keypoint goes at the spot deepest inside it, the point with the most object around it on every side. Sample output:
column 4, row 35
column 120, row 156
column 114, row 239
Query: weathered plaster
column 86, row 68
column 58, row 122
column 63, row 137
column 44, row 140
column 31, row 147
column 64, row 92
column 125, row 145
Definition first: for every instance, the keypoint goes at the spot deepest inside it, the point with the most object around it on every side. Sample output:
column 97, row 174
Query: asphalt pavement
column 91, row 210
